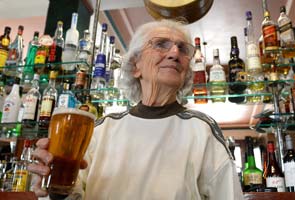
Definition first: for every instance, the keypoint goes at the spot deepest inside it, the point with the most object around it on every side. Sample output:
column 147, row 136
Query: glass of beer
column 70, row 131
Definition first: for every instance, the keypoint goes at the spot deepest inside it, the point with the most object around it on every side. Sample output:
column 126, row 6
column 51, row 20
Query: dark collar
column 156, row 112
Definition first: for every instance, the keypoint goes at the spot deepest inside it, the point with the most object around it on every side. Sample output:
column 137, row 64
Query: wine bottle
column 252, row 176
column 273, row 174
column 289, row 165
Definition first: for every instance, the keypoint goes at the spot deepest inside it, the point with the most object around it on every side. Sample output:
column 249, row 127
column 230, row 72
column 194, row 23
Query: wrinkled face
column 163, row 68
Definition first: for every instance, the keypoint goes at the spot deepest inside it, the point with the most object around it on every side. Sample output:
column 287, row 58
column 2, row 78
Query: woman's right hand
column 41, row 167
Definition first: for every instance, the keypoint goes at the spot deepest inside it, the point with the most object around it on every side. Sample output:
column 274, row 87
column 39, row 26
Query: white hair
column 128, row 83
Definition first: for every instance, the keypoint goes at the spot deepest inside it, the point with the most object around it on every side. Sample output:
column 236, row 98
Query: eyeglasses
column 165, row 44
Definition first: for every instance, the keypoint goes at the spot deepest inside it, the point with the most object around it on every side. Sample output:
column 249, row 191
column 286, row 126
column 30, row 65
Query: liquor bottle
column 89, row 107
column 273, row 174
column 71, row 44
column 48, row 101
column 253, row 67
column 286, row 33
column 98, row 80
column 84, row 51
column 4, row 43
column 217, row 78
column 289, row 165
column 80, row 84
column 66, row 99
column 55, row 50
column 31, row 104
column 28, row 71
column 2, row 95
column 199, row 74
column 21, row 178
column 46, row 41
column 12, row 104
column 15, row 54
column 109, row 76
column 252, row 176
column 236, row 66
column 269, row 31
column 103, row 39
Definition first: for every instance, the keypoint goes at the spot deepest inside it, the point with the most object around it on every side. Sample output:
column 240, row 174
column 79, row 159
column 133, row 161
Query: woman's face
column 163, row 68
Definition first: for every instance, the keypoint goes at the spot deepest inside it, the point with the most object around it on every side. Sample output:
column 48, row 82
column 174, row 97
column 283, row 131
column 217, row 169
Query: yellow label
column 46, row 106
column 3, row 57
column 252, row 178
column 20, row 181
column 5, row 42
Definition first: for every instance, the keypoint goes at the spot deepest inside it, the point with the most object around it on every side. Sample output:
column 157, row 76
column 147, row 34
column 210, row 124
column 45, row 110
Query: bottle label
column 40, row 56
column 99, row 70
column 66, row 101
column 277, row 182
column 199, row 66
column 80, row 79
column 9, row 112
column 217, row 75
column 30, row 105
column 20, row 181
column 5, row 42
column 270, row 36
column 46, row 106
column 285, row 27
column 3, row 57
column 290, row 173
column 252, row 178
column 286, row 33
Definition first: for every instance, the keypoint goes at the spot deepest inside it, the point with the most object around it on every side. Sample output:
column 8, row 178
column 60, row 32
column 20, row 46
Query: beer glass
column 70, row 131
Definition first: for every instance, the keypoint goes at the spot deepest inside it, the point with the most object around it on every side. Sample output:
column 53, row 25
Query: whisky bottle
column 286, row 33
column 4, row 43
column 289, row 165
column 49, row 100
column 252, row 176
column 199, row 75
column 31, row 104
column 217, row 79
column 273, row 174
column 236, row 66
column 269, row 31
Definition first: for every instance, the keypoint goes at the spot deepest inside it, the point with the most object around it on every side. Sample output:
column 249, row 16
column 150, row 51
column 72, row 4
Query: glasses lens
column 162, row 43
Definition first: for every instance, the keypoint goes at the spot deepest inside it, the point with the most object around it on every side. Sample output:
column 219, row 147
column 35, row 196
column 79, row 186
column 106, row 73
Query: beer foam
column 76, row 111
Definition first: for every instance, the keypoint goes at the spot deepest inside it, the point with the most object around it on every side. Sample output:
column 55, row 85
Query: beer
column 70, row 132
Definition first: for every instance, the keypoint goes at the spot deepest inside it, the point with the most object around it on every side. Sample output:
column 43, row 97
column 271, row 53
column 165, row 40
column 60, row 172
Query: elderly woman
column 158, row 149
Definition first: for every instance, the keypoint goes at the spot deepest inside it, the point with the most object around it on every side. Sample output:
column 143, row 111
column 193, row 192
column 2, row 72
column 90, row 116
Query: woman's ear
column 136, row 69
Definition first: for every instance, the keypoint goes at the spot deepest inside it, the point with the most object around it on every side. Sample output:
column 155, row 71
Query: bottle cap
column 104, row 27
column 197, row 41
column 215, row 52
column 248, row 15
column 270, row 147
column 53, row 74
column 60, row 23
column 245, row 31
column 27, row 143
column 112, row 39
column 36, row 77
column 283, row 9
column 7, row 29
column 234, row 41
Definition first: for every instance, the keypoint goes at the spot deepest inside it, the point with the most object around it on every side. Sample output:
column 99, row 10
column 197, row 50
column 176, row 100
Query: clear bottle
column 289, row 165
column 236, row 66
column 103, row 39
column 4, row 43
column 287, row 37
column 22, row 177
column 31, row 104
column 252, row 176
column 217, row 78
column 49, row 100
column 15, row 54
column 66, row 99
column 269, row 31
column 84, row 51
column 12, row 104
column 28, row 72
column 109, row 76
column 199, row 74
column 253, row 67
column 71, row 44
column 98, row 80
column 273, row 174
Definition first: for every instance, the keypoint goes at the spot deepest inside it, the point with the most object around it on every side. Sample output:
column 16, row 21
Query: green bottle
column 252, row 176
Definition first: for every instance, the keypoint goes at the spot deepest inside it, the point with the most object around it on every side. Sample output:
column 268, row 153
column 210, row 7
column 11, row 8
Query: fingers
column 42, row 155
column 43, row 143
column 39, row 169
column 36, row 186
column 83, row 164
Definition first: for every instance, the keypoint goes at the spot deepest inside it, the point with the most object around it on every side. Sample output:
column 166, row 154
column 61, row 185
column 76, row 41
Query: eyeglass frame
column 177, row 43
